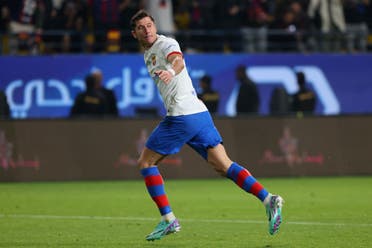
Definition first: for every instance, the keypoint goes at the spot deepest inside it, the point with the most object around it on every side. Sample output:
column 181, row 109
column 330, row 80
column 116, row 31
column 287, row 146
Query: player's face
column 145, row 32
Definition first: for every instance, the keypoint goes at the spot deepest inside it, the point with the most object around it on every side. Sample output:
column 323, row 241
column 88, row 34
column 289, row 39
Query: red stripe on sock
column 161, row 201
column 153, row 180
column 243, row 174
column 256, row 188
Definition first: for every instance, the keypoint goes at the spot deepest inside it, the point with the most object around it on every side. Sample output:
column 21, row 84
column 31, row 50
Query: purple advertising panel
column 45, row 87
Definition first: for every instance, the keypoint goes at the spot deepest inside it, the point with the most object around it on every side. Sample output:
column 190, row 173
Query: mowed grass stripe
column 129, row 218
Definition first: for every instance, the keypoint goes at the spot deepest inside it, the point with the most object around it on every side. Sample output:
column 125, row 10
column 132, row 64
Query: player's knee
column 142, row 163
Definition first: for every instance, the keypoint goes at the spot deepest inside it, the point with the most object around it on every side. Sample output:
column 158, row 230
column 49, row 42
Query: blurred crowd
column 95, row 26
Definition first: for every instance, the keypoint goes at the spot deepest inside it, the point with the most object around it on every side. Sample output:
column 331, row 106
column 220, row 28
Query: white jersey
column 179, row 95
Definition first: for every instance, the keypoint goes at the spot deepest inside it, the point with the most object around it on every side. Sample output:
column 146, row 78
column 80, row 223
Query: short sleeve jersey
column 178, row 95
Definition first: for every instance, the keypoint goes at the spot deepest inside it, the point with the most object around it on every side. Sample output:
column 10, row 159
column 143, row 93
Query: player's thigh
column 207, row 137
column 170, row 135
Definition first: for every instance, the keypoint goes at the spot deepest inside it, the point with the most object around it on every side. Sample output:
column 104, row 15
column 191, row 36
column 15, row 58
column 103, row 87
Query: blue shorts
column 196, row 130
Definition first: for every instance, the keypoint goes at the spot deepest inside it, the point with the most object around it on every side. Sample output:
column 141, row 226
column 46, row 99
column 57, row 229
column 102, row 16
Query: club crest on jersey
column 153, row 59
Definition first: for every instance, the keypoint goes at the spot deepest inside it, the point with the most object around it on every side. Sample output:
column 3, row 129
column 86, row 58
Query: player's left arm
column 177, row 65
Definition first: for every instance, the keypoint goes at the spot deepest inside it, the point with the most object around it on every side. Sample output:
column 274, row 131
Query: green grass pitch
column 318, row 212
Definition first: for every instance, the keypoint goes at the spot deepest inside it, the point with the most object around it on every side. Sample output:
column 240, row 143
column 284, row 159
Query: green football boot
column 164, row 228
column 274, row 213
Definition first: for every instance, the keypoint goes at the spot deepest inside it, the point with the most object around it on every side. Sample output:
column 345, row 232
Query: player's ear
column 156, row 28
column 134, row 34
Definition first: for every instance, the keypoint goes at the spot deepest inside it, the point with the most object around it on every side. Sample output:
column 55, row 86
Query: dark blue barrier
column 44, row 87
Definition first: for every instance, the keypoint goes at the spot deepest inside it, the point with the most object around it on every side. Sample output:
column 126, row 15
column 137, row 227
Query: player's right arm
column 177, row 65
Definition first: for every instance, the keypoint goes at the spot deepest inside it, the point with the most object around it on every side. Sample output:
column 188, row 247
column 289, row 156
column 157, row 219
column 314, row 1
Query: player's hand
column 164, row 75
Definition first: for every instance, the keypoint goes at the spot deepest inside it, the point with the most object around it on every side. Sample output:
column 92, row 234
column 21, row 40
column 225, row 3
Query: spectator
column 248, row 100
column 91, row 102
column 73, row 19
column 284, row 32
column 229, row 17
column 162, row 11
column 106, row 18
column 302, row 25
column 197, row 15
column 328, row 16
column 290, row 28
column 5, row 16
column 182, row 20
column 193, row 15
column 51, row 39
column 4, row 106
column 21, row 24
column 257, row 17
column 22, row 15
column 108, row 94
column 127, row 8
column 209, row 96
column 367, row 5
column 4, row 27
column 304, row 100
column 356, row 25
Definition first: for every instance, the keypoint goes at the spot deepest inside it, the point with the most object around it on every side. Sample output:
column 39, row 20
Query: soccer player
column 187, row 122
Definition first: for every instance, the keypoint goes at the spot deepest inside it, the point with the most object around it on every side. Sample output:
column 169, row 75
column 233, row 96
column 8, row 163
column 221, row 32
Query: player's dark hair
column 138, row 16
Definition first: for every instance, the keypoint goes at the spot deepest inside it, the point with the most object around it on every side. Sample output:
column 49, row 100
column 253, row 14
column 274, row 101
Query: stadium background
column 43, row 66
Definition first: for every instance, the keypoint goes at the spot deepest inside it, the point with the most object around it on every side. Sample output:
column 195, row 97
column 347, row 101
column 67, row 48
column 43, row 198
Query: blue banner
column 45, row 87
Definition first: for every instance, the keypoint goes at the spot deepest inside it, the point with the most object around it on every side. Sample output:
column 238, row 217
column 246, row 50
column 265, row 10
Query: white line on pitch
column 121, row 218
